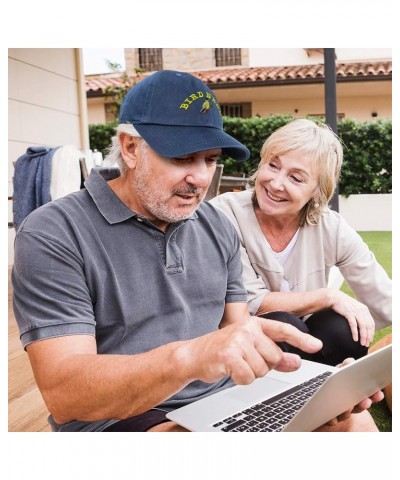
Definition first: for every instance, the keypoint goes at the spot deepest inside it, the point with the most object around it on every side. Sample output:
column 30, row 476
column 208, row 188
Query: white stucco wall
column 46, row 105
column 367, row 212
column 259, row 57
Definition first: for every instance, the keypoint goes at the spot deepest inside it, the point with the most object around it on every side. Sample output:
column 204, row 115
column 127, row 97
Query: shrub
column 367, row 166
column 100, row 136
column 252, row 132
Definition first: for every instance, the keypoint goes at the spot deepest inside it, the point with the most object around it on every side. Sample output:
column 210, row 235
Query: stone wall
column 186, row 59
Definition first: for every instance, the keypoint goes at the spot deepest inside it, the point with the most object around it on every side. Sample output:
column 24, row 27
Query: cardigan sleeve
column 365, row 276
column 254, row 284
column 234, row 206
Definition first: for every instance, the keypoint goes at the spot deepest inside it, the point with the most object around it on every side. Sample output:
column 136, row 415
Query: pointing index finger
column 284, row 332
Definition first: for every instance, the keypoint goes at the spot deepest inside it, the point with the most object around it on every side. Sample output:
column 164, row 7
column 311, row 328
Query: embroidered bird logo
column 205, row 107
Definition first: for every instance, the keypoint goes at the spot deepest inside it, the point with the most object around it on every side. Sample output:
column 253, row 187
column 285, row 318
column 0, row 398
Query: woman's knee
column 334, row 331
column 287, row 317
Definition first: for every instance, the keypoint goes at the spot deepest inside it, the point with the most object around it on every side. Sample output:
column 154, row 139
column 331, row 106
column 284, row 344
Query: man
column 128, row 294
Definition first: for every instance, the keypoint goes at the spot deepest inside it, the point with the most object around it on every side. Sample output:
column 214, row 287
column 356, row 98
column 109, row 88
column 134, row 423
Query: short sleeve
column 51, row 297
column 235, row 291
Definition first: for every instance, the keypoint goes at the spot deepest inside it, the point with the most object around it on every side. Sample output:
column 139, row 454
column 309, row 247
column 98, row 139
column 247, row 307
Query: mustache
column 189, row 190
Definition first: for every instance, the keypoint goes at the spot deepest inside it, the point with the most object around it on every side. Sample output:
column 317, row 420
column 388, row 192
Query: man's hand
column 244, row 351
column 363, row 405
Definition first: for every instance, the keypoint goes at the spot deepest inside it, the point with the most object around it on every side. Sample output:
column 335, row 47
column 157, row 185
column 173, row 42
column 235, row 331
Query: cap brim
column 176, row 141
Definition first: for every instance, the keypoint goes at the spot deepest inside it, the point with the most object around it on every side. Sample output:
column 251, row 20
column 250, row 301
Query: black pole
column 330, row 105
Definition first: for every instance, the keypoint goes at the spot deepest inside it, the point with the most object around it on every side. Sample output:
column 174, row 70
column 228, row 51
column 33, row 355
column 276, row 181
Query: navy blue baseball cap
column 177, row 114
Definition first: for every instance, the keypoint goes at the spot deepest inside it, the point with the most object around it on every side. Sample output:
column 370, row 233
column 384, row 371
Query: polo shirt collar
column 109, row 205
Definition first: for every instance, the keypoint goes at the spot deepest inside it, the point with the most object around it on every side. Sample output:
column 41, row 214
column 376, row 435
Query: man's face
column 168, row 190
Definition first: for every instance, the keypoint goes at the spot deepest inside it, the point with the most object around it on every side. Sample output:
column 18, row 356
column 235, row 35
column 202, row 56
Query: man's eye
column 212, row 160
column 273, row 165
column 182, row 159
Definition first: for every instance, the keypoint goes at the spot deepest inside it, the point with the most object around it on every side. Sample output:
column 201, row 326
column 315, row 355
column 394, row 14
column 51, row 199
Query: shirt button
column 139, row 219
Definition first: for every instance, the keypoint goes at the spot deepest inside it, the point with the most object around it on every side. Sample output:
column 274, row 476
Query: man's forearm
column 92, row 387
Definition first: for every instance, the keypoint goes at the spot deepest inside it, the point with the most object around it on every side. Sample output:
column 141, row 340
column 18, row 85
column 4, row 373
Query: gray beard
column 156, row 203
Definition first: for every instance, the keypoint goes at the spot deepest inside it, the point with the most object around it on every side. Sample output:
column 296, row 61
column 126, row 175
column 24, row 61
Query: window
column 150, row 59
column 227, row 56
column 242, row 110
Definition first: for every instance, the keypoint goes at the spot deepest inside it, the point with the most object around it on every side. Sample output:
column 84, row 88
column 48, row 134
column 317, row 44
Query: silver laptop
column 299, row 401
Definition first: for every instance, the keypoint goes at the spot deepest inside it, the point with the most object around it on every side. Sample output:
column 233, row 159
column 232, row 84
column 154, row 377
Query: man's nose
column 199, row 174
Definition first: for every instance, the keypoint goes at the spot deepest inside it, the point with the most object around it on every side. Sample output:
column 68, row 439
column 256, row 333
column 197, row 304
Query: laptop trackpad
column 257, row 391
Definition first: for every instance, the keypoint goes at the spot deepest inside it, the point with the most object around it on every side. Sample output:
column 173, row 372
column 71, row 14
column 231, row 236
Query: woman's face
column 286, row 183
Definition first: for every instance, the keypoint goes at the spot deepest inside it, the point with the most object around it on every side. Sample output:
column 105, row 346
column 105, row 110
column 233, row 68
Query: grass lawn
column 380, row 243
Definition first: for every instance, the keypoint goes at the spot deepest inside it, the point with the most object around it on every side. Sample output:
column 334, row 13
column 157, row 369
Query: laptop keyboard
column 273, row 414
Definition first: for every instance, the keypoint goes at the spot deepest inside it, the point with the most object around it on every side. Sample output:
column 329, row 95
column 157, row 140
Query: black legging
column 331, row 328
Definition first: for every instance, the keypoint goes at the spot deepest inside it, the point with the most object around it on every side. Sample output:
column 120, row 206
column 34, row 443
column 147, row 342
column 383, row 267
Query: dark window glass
column 150, row 59
column 242, row 110
column 227, row 56
column 321, row 116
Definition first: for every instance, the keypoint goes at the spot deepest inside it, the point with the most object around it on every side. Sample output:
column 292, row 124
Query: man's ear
column 129, row 149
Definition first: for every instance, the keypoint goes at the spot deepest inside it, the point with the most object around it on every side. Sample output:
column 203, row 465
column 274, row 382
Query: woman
column 291, row 239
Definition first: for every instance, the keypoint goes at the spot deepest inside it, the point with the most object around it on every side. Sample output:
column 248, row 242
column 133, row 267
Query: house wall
column 46, row 105
column 355, row 100
column 354, row 108
column 260, row 57
column 182, row 58
column 96, row 110
column 203, row 58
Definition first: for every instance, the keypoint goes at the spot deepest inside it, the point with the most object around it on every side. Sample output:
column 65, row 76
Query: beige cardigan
column 318, row 248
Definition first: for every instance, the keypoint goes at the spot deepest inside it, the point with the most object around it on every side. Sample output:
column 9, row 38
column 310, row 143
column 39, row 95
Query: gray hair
column 323, row 146
column 114, row 153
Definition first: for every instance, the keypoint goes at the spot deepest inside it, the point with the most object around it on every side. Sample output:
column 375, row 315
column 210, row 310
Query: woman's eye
column 296, row 179
column 273, row 165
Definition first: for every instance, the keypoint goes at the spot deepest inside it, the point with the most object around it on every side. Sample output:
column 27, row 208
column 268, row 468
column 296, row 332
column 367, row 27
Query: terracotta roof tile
column 245, row 76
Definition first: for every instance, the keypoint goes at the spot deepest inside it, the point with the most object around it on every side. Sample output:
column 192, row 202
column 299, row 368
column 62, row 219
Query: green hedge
column 100, row 136
column 367, row 166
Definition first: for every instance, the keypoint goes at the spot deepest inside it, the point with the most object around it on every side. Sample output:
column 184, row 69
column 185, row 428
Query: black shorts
column 139, row 423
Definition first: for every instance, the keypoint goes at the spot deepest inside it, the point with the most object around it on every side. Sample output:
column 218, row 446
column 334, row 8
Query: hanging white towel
column 65, row 172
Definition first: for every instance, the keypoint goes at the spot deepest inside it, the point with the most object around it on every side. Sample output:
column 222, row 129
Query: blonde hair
column 323, row 146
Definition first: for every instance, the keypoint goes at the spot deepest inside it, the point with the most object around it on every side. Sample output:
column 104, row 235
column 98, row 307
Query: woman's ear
column 129, row 149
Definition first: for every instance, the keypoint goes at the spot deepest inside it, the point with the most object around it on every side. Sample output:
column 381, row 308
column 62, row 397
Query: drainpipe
column 83, row 115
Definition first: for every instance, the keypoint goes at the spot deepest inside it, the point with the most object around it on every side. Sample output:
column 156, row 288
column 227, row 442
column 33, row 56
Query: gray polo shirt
column 87, row 264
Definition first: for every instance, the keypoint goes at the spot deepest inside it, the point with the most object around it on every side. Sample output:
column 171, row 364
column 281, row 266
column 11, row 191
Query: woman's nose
column 277, row 182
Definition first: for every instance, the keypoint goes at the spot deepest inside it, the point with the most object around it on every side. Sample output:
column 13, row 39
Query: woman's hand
column 357, row 314
column 360, row 407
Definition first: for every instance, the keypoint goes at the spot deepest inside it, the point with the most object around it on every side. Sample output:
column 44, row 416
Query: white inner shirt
column 282, row 256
